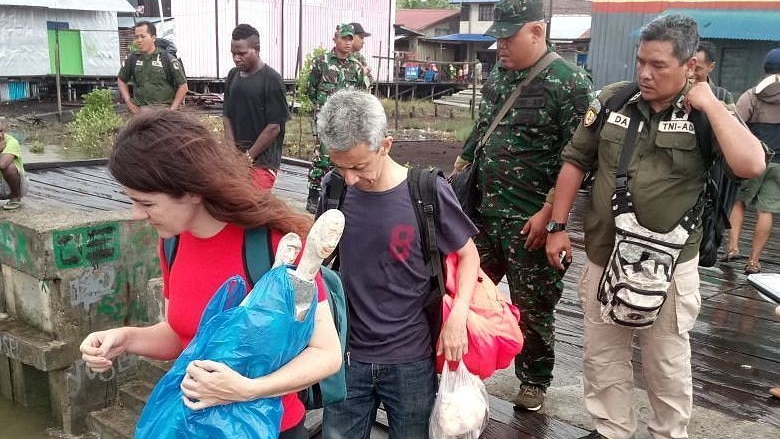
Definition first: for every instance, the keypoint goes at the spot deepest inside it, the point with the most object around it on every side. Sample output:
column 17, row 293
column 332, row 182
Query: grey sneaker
column 530, row 398
column 594, row 435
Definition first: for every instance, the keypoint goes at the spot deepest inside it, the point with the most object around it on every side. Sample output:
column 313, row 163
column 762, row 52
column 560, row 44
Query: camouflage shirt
column 330, row 74
column 521, row 160
column 364, row 62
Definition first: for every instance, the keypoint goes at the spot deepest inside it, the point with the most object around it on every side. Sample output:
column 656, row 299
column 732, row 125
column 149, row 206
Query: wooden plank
column 532, row 424
column 74, row 183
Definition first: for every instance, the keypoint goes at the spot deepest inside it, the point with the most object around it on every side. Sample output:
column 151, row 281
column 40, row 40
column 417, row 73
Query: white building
column 85, row 30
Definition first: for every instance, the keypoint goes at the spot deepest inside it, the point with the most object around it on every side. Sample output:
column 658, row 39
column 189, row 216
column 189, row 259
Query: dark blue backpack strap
column 333, row 192
column 170, row 245
column 257, row 253
column 422, row 187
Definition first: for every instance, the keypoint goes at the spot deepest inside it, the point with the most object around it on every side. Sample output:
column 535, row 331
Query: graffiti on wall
column 89, row 246
column 79, row 374
column 92, row 285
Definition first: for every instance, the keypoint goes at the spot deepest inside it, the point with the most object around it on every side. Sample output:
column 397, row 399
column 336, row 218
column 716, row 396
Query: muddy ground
column 437, row 153
column 412, row 147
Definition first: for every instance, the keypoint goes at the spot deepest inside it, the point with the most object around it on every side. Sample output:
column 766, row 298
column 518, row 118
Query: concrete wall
column 62, row 276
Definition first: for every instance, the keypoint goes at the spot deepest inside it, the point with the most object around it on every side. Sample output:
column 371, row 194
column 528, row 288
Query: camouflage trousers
column 320, row 165
column 534, row 286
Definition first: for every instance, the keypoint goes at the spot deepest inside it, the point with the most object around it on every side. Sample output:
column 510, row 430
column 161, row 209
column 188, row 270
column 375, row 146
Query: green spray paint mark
column 14, row 244
column 88, row 246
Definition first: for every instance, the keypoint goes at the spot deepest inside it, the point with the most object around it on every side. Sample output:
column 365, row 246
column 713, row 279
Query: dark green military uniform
column 665, row 174
column 155, row 77
column 518, row 167
column 329, row 74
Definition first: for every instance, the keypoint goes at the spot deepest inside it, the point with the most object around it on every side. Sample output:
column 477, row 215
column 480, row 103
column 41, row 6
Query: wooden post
column 473, row 90
column 396, row 104
column 378, row 68
column 57, row 70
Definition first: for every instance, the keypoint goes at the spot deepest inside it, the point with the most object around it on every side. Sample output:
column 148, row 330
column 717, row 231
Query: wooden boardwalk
column 735, row 343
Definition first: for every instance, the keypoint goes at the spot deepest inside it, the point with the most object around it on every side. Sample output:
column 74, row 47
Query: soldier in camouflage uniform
column 517, row 168
column 357, row 46
column 333, row 71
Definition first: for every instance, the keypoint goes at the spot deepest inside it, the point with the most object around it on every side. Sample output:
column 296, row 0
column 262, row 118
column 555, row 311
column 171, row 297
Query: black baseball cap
column 359, row 30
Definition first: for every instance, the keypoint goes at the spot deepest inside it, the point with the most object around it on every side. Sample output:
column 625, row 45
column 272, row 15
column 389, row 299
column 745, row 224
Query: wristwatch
column 553, row 227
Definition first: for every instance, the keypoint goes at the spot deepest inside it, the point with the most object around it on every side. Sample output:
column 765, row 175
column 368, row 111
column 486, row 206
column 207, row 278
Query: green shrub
column 303, row 80
column 92, row 130
column 36, row 147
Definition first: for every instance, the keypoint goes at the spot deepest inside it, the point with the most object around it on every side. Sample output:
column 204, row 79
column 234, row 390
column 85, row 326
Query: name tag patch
column 618, row 119
column 677, row 126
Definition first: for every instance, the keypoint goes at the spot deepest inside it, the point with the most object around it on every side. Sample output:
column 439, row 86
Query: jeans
column 407, row 392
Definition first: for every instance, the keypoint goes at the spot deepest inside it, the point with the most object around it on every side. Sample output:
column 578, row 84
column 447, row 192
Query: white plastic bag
column 461, row 407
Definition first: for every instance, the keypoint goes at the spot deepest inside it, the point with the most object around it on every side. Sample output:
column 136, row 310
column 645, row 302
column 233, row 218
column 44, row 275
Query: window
column 465, row 11
column 486, row 12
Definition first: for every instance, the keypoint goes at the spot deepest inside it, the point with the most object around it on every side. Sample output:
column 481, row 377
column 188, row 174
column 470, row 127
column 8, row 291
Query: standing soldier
column 357, row 46
column 330, row 72
column 157, row 76
column 665, row 174
column 517, row 167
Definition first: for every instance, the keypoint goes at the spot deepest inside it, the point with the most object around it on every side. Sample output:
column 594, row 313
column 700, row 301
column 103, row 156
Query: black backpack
column 167, row 53
column 721, row 191
column 422, row 188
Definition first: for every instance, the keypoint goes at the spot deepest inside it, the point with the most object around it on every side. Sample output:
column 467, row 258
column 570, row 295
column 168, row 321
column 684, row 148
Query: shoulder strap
column 703, row 136
column 422, row 187
column 510, row 101
column 621, row 176
column 167, row 61
column 132, row 58
column 257, row 253
column 619, row 99
column 334, row 192
column 170, row 245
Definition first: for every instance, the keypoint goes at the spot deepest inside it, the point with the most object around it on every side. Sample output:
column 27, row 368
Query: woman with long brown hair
column 186, row 182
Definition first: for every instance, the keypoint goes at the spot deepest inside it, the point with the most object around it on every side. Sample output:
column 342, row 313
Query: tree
column 426, row 4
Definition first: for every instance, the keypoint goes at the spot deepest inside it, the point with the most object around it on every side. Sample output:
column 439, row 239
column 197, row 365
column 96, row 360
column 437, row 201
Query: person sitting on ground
column 186, row 183
column 13, row 180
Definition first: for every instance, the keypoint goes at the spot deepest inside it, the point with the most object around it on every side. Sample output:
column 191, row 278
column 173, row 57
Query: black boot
column 312, row 201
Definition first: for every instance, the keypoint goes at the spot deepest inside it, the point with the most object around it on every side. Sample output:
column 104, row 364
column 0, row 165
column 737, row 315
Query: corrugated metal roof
column 421, row 19
column 469, row 38
column 733, row 24
column 78, row 5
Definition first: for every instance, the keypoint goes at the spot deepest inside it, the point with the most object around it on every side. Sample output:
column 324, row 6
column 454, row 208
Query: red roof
column 421, row 19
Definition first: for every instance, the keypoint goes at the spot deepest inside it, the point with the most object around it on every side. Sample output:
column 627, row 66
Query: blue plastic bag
column 254, row 339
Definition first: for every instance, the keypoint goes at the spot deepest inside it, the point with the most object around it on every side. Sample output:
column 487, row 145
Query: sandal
column 731, row 255
column 13, row 205
column 752, row 267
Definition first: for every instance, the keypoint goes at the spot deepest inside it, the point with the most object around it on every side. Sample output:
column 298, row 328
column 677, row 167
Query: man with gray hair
column 13, row 181
column 386, row 280
column 665, row 176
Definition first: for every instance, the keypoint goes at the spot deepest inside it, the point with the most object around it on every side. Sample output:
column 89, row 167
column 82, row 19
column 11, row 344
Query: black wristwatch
column 553, row 227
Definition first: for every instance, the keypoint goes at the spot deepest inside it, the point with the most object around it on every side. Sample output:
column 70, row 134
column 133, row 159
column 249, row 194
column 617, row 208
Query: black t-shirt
column 252, row 103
